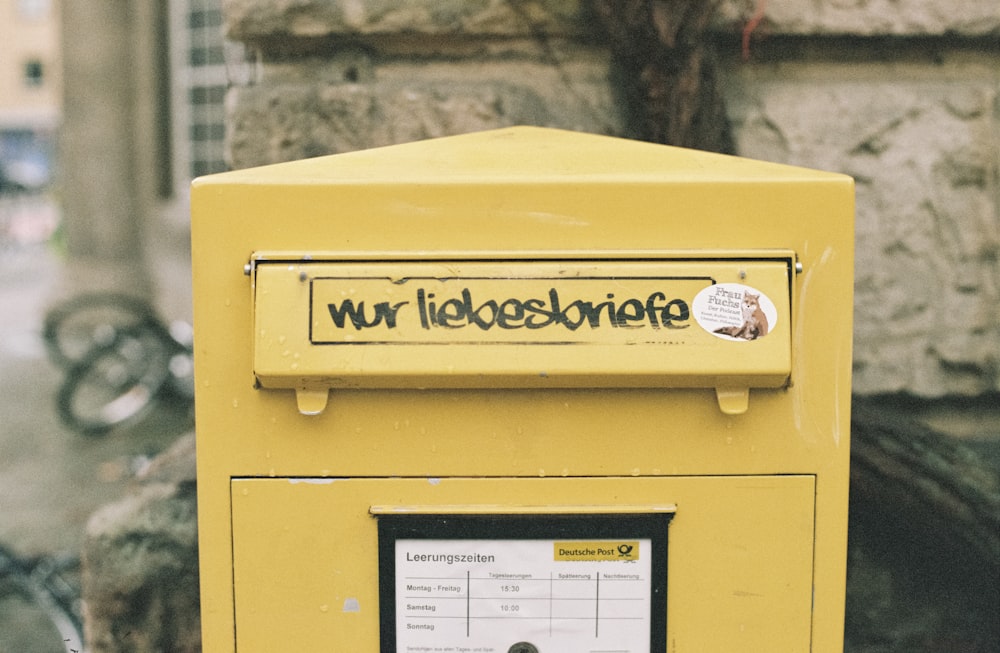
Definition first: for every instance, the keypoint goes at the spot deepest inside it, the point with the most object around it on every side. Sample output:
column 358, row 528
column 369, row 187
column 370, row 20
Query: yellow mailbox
column 523, row 391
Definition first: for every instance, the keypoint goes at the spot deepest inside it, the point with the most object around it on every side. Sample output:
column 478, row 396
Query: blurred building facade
column 202, row 63
column 30, row 90
column 142, row 114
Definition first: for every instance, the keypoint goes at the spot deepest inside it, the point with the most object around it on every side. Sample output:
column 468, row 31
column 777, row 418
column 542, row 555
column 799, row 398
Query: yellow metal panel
column 518, row 195
column 740, row 554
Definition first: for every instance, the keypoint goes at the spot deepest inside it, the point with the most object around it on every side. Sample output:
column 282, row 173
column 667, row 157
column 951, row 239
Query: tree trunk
column 667, row 71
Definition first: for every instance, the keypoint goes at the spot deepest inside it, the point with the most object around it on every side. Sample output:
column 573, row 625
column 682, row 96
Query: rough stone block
column 406, row 101
column 969, row 18
column 924, row 151
column 140, row 564
column 252, row 19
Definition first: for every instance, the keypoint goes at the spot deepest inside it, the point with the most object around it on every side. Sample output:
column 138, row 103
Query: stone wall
column 902, row 96
column 341, row 76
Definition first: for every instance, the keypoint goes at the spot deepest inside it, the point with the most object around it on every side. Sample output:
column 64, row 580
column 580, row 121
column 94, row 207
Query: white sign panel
column 523, row 596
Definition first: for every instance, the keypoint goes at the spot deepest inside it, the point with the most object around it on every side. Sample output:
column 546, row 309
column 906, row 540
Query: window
column 206, row 59
column 34, row 73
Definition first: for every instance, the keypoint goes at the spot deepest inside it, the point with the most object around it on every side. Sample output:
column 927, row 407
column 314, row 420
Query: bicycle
column 39, row 607
column 121, row 361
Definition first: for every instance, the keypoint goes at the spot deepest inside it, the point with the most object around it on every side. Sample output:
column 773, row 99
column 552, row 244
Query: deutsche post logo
column 596, row 551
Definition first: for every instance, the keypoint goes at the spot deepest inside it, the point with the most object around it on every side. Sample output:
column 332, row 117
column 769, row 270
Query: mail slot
column 525, row 324
column 523, row 390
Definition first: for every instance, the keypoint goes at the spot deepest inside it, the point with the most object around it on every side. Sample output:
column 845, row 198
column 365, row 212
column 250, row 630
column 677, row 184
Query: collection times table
column 495, row 596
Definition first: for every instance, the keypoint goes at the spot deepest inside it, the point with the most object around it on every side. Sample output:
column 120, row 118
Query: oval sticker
column 732, row 311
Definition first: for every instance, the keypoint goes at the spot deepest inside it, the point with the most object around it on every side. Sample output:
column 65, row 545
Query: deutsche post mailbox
column 523, row 391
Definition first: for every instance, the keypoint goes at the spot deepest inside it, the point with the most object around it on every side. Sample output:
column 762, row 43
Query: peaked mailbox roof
column 522, row 154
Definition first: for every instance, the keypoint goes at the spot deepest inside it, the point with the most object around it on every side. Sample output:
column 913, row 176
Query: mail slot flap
column 467, row 324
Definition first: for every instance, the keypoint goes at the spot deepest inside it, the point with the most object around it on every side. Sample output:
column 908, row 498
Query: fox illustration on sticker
column 754, row 320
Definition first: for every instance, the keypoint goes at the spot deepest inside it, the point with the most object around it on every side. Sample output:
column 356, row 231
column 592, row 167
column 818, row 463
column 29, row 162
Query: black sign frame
column 544, row 526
